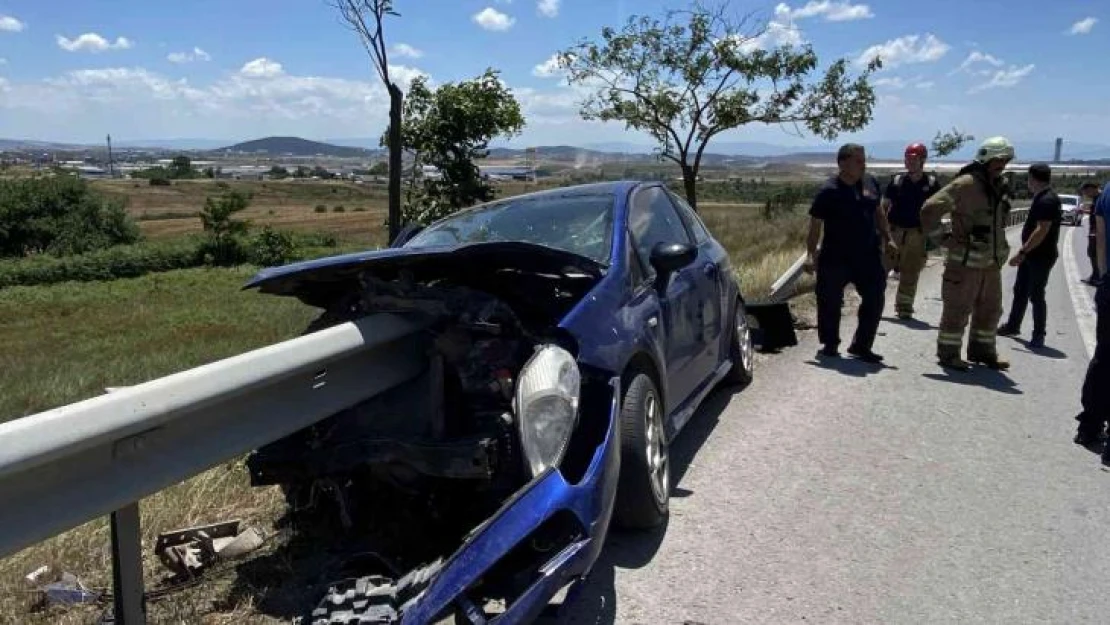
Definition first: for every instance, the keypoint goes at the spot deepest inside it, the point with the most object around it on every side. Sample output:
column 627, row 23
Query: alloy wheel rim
column 744, row 339
column 658, row 463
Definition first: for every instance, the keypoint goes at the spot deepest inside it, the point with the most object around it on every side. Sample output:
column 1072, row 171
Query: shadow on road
column 912, row 324
column 1044, row 352
column 985, row 378
column 849, row 366
column 596, row 604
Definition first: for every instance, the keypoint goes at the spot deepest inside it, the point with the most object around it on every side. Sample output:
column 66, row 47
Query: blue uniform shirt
column 907, row 198
column 848, row 213
column 1102, row 211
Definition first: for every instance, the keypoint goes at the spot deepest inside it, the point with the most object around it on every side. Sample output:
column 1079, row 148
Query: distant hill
column 295, row 146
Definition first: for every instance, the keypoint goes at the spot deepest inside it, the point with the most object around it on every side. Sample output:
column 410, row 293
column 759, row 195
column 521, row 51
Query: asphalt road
column 850, row 493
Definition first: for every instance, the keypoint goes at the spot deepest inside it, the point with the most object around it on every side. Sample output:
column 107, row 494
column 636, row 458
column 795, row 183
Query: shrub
column 320, row 208
column 271, row 247
column 124, row 261
column 60, row 215
column 338, row 209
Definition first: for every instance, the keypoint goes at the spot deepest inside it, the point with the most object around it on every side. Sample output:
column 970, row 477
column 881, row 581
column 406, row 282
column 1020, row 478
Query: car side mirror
column 668, row 258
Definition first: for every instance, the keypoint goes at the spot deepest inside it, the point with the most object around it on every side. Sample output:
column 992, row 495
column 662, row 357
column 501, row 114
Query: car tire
column 643, row 492
column 740, row 349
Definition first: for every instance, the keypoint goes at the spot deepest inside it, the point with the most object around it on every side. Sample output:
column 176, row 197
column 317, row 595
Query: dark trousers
column 869, row 280
column 1032, row 280
column 1096, row 386
column 1092, row 254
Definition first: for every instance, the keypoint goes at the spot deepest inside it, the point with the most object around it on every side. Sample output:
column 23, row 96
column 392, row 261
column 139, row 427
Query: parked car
column 1072, row 207
column 571, row 335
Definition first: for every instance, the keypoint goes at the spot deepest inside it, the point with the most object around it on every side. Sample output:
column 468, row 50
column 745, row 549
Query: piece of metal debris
column 188, row 552
column 69, row 591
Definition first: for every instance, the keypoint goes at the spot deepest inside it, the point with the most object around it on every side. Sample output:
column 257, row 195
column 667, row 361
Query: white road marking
column 1082, row 301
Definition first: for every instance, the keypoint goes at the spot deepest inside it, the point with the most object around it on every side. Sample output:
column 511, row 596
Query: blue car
column 571, row 334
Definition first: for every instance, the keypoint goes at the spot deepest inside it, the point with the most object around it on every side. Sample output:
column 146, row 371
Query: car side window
column 653, row 220
column 690, row 218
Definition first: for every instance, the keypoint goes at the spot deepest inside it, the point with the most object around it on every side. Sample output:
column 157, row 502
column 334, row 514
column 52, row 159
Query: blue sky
column 75, row 70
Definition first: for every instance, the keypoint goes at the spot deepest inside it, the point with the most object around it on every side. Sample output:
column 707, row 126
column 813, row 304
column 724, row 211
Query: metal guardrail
column 783, row 288
column 66, row 466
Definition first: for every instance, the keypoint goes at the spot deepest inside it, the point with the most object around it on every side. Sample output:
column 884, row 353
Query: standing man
column 976, row 251
column 905, row 195
column 1039, row 251
column 1089, row 191
column 846, row 209
column 1096, row 388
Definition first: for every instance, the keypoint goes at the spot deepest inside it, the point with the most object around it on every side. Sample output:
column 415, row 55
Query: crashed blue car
column 571, row 334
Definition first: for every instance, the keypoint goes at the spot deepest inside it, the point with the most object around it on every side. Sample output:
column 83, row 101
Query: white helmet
column 995, row 147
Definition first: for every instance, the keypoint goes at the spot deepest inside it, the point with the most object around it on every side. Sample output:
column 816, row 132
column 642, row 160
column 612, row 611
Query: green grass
column 63, row 343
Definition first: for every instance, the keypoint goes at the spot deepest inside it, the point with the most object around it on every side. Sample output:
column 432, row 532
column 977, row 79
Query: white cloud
column 548, row 68
column 831, row 11
column 188, row 57
column 490, row 18
column 893, row 82
column 3, row 61
column 976, row 58
column 548, row 8
column 1083, row 26
column 925, row 84
column 404, row 50
column 261, row 68
column 906, row 50
column 1004, row 78
column 92, row 42
column 80, row 104
column 10, row 24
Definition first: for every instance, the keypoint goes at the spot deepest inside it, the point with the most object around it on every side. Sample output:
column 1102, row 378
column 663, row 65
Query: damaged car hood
column 315, row 281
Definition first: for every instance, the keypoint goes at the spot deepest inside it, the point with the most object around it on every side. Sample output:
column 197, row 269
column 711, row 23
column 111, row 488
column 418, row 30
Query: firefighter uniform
column 976, row 252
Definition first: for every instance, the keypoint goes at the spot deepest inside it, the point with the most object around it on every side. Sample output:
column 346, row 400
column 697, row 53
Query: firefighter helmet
column 995, row 147
column 917, row 149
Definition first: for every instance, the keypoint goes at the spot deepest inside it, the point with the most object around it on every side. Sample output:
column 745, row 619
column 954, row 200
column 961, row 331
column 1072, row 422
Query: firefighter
column 978, row 201
column 902, row 201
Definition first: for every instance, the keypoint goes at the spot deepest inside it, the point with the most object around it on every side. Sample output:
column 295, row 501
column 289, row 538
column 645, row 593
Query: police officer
column 977, row 249
column 847, row 213
column 902, row 201
column 1089, row 191
column 1096, row 390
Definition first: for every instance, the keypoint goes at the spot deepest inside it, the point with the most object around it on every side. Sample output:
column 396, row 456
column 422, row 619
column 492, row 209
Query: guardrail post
column 127, row 566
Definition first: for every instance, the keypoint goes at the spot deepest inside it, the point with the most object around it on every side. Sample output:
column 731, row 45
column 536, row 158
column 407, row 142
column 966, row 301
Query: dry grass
column 83, row 337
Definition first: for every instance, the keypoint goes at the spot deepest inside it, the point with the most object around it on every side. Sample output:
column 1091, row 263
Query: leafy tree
column 450, row 128
column 223, row 245
column 181, row 167
column 365, row 17
column 949, row 142
column 278, row 172
column 698, row 73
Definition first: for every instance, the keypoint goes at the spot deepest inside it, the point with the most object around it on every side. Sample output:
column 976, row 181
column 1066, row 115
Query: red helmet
column 917, row 149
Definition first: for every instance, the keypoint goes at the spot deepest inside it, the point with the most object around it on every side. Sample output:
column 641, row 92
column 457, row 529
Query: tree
column 217, row 219
column 698, row 73
column 181, row 167
column 947, row 143
column 365, row 17
column 450, row 129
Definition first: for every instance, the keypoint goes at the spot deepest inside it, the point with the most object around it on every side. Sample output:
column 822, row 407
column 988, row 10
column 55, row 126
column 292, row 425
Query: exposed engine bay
column 420, row 466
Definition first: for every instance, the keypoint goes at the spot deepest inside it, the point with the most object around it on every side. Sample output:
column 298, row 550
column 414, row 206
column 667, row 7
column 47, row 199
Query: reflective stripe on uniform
column 983, row 335
column 950, row 338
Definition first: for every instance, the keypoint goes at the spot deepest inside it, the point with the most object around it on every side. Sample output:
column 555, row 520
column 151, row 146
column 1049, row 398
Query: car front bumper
column 589, row 502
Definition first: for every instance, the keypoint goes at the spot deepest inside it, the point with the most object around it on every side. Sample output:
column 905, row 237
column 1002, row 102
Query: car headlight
column 546, row 401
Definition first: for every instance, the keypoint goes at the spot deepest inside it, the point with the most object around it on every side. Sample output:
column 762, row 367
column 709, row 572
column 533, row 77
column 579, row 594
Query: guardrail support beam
column 127, row 566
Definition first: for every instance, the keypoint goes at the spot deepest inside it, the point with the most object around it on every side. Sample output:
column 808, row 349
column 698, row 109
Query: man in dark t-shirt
column 846, row 210
column 1089, row 191
column 904, row 196
column 1039, row 250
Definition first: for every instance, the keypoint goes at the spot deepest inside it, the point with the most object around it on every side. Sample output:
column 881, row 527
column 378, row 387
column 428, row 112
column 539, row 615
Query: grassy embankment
column 66, row 342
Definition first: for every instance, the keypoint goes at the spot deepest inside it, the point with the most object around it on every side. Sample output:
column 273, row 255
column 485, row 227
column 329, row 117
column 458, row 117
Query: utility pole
column 111, row 167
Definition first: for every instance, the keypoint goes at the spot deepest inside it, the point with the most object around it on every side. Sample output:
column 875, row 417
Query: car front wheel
column 643, row 494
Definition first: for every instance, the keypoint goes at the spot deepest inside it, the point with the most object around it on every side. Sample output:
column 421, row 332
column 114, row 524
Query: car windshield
column 1069, row 200
column 577, row 223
